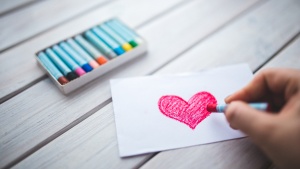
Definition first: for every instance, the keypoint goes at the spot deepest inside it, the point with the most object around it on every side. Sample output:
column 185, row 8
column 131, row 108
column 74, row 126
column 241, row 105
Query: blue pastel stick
column 52, row 69
column 126, row 30
column 61, row 65
column 75, row 56
column 68, row 60
column 108, row 41
column 222, row 107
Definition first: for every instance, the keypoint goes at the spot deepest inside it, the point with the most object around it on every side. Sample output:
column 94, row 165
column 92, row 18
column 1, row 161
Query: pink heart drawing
column 191, row 112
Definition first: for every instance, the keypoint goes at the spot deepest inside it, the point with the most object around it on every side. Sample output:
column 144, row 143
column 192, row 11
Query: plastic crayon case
column 77, row 60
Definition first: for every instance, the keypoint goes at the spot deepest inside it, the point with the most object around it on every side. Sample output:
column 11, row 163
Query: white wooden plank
column 55, row 111
column 91, row 144
column 36, row 18
column 253, row 39
column 11, row 139
column 9, row 5
column 289, row 57
column 239, row 153
column 221, row 153
column 248, row 40
column 132, row 12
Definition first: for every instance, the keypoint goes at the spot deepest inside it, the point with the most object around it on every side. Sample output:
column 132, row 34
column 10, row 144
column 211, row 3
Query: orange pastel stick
column 101, row 60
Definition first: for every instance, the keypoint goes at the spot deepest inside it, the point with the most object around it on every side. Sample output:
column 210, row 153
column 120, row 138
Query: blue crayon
column 68, row 60
column 108, row 41
column 52, row 69
column 126, row 30
column 82, row 53
column 125, row 45
column 122, row 33
column 61, row 65
column 222, row 107
column 75, row 56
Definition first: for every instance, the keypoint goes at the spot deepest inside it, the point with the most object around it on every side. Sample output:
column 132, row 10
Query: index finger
column 273, row 81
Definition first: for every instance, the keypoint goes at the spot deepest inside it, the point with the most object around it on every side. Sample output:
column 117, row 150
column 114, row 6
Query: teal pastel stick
column 49, row 65
column 100, row 44
column 105, row 38
column 52, row 69
column 79, row 50
column 120, row 31
column 76, row 57
column 64, row 56
column 61, row 65
column 58, row 62
column 126, row 30
column 68, row 60
column 108, row 40
column 112, row 34
column 88, row 47
column 72, row 53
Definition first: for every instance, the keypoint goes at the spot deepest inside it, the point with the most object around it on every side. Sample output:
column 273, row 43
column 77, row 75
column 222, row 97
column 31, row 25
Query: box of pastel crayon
column 73, row 62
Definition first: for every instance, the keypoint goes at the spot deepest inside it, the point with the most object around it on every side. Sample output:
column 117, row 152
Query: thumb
column 255, row 123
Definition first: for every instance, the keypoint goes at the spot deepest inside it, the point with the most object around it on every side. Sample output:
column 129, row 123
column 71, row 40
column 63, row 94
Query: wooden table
column 42, row 128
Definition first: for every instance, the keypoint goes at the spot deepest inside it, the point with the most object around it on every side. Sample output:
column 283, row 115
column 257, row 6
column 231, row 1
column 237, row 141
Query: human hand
column 277, row 132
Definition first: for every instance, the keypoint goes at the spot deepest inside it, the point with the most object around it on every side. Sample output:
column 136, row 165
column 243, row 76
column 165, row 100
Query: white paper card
column 143, row 128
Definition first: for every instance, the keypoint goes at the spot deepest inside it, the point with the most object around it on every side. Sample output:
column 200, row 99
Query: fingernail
column 226, row 98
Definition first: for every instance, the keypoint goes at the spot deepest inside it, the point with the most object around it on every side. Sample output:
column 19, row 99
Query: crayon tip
column 87, row 68
column 71, row 76
column 111, row 55
column 119, row 51
column 101, row 60
column 126, row 46
column 62, row 80
column 133, row 43
column 94, row 64
column 211, row 107
column 79, row 71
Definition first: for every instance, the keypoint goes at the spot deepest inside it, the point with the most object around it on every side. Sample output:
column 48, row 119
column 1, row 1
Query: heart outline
column 191, row 112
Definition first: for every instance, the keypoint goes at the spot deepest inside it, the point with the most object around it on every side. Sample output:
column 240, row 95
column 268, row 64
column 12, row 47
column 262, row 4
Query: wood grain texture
column 90, row 144
column 132, row 12
column 252, row 39
column 230, row 154
column 241, row 35
column 149, row 11
column 39, row 17
column 26, row 124
column 240, row 153
column 288, row 58
column 9, row 5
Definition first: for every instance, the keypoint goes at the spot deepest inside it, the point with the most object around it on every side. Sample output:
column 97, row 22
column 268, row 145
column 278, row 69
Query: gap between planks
column 108, row 101
column 288, row 43
column 18, row 91
column 16, row 7
column 10, row 47
column 83, row 117
column 57, row 134
column 243, row 13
